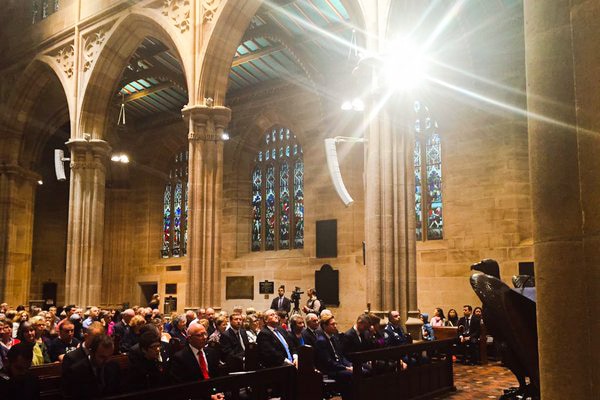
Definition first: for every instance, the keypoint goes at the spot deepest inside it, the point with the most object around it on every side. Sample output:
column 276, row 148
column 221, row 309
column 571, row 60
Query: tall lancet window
column 175, row 208
column 428, row 175
column 278, row 192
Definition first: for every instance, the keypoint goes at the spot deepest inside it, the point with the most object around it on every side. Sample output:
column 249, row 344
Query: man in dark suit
column 311, row 333
column 82, row 352
column 195, row 362
column 469, row 328
column 122, row 327
column 274, row 345
column 281, row 303
column 234, row 342
column 329, row 357
column 94, row 376
column 356, row 338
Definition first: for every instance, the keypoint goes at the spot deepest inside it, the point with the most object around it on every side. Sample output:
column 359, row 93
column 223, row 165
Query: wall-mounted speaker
column 334, row 172
column 59, row 167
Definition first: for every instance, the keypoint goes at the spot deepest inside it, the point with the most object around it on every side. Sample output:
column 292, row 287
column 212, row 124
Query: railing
column 256, row 385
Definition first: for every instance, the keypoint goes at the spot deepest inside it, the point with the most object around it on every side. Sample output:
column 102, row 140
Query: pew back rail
column 429, row 374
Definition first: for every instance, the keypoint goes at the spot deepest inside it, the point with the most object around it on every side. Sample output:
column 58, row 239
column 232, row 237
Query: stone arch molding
column 28, row 89
column 106, row 51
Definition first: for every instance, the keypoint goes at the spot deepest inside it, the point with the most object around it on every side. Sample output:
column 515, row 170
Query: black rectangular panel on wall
column 526, row 268
column 327, row 238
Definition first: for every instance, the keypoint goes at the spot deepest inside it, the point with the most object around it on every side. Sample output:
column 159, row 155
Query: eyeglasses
column 200, row 335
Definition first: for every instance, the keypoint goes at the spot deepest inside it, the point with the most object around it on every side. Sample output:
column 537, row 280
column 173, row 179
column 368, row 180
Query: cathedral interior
column 193, row 146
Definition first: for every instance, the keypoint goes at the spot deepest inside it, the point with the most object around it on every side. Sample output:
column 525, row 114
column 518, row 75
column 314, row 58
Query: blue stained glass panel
column 177, row 208
column 418, row 191
column 428, row 176
column 299, row 204
column 256, row 209
column 284, row 206
column 270, row 208
column 185, row 218
column 166, row 246
column 434, row 186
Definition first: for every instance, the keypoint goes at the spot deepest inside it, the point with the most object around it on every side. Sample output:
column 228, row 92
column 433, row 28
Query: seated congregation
column 103, row 353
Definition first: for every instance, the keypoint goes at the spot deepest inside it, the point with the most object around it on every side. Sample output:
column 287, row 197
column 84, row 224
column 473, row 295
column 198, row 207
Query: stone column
column 389, row 211
column 564, row 144
column 86, row 221
column 206, row 125
column 17, row 206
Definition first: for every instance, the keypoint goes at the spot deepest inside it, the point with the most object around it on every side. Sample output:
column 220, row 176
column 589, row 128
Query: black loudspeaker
column 327, row 238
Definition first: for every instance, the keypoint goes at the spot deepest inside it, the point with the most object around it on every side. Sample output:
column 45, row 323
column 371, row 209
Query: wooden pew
column 50, row 376
column 430, row 377
column 310, row 381
column 445, row 332
column 283, row 379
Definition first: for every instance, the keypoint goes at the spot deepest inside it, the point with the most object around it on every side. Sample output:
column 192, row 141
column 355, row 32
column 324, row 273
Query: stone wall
column 487, row 211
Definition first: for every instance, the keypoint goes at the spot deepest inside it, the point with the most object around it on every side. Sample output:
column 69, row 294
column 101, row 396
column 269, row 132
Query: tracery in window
column 428, row 175
column 175, row 208
column 278, row 200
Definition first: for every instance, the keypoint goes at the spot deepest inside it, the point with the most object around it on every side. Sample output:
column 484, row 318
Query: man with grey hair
column 311, row 333
column 274, row 345
column 122, row 327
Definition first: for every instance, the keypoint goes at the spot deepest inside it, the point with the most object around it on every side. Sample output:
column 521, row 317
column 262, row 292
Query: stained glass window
column 278, row 200
column 42, row 9
column 428, row 175
column 175, row 208
column 257, row 207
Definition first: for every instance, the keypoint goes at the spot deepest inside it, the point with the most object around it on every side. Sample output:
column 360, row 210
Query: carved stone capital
column 88, row 154
column 18, row 172
column 206, row 122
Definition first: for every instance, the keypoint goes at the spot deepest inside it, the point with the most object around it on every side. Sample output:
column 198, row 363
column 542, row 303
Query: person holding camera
column 313, row 304
column 281, row 303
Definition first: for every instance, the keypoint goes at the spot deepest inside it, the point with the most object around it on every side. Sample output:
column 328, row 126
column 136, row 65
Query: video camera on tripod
column 295, row 297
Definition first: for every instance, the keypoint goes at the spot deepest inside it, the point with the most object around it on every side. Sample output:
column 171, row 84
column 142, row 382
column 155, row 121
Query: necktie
column 203, row 366
column 280, row 303
column 284, row 343
column 337, row 358
column 239, row 336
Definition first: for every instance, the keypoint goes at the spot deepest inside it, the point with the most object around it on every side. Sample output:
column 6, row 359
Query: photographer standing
column 313, row 304
column 281, row 303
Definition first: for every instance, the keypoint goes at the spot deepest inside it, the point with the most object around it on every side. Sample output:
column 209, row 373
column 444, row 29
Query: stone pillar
column 389, row 211
column 17, row 206
column 205, row 177
column 562, row 83
column 86, row 221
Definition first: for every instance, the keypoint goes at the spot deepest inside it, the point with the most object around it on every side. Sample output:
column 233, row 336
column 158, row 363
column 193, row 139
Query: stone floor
column 478, row 382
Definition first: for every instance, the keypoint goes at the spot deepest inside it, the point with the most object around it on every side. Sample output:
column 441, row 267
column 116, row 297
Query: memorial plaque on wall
column 327, row 238
column 327, row 285
column 239, row 287
column 266, row 287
